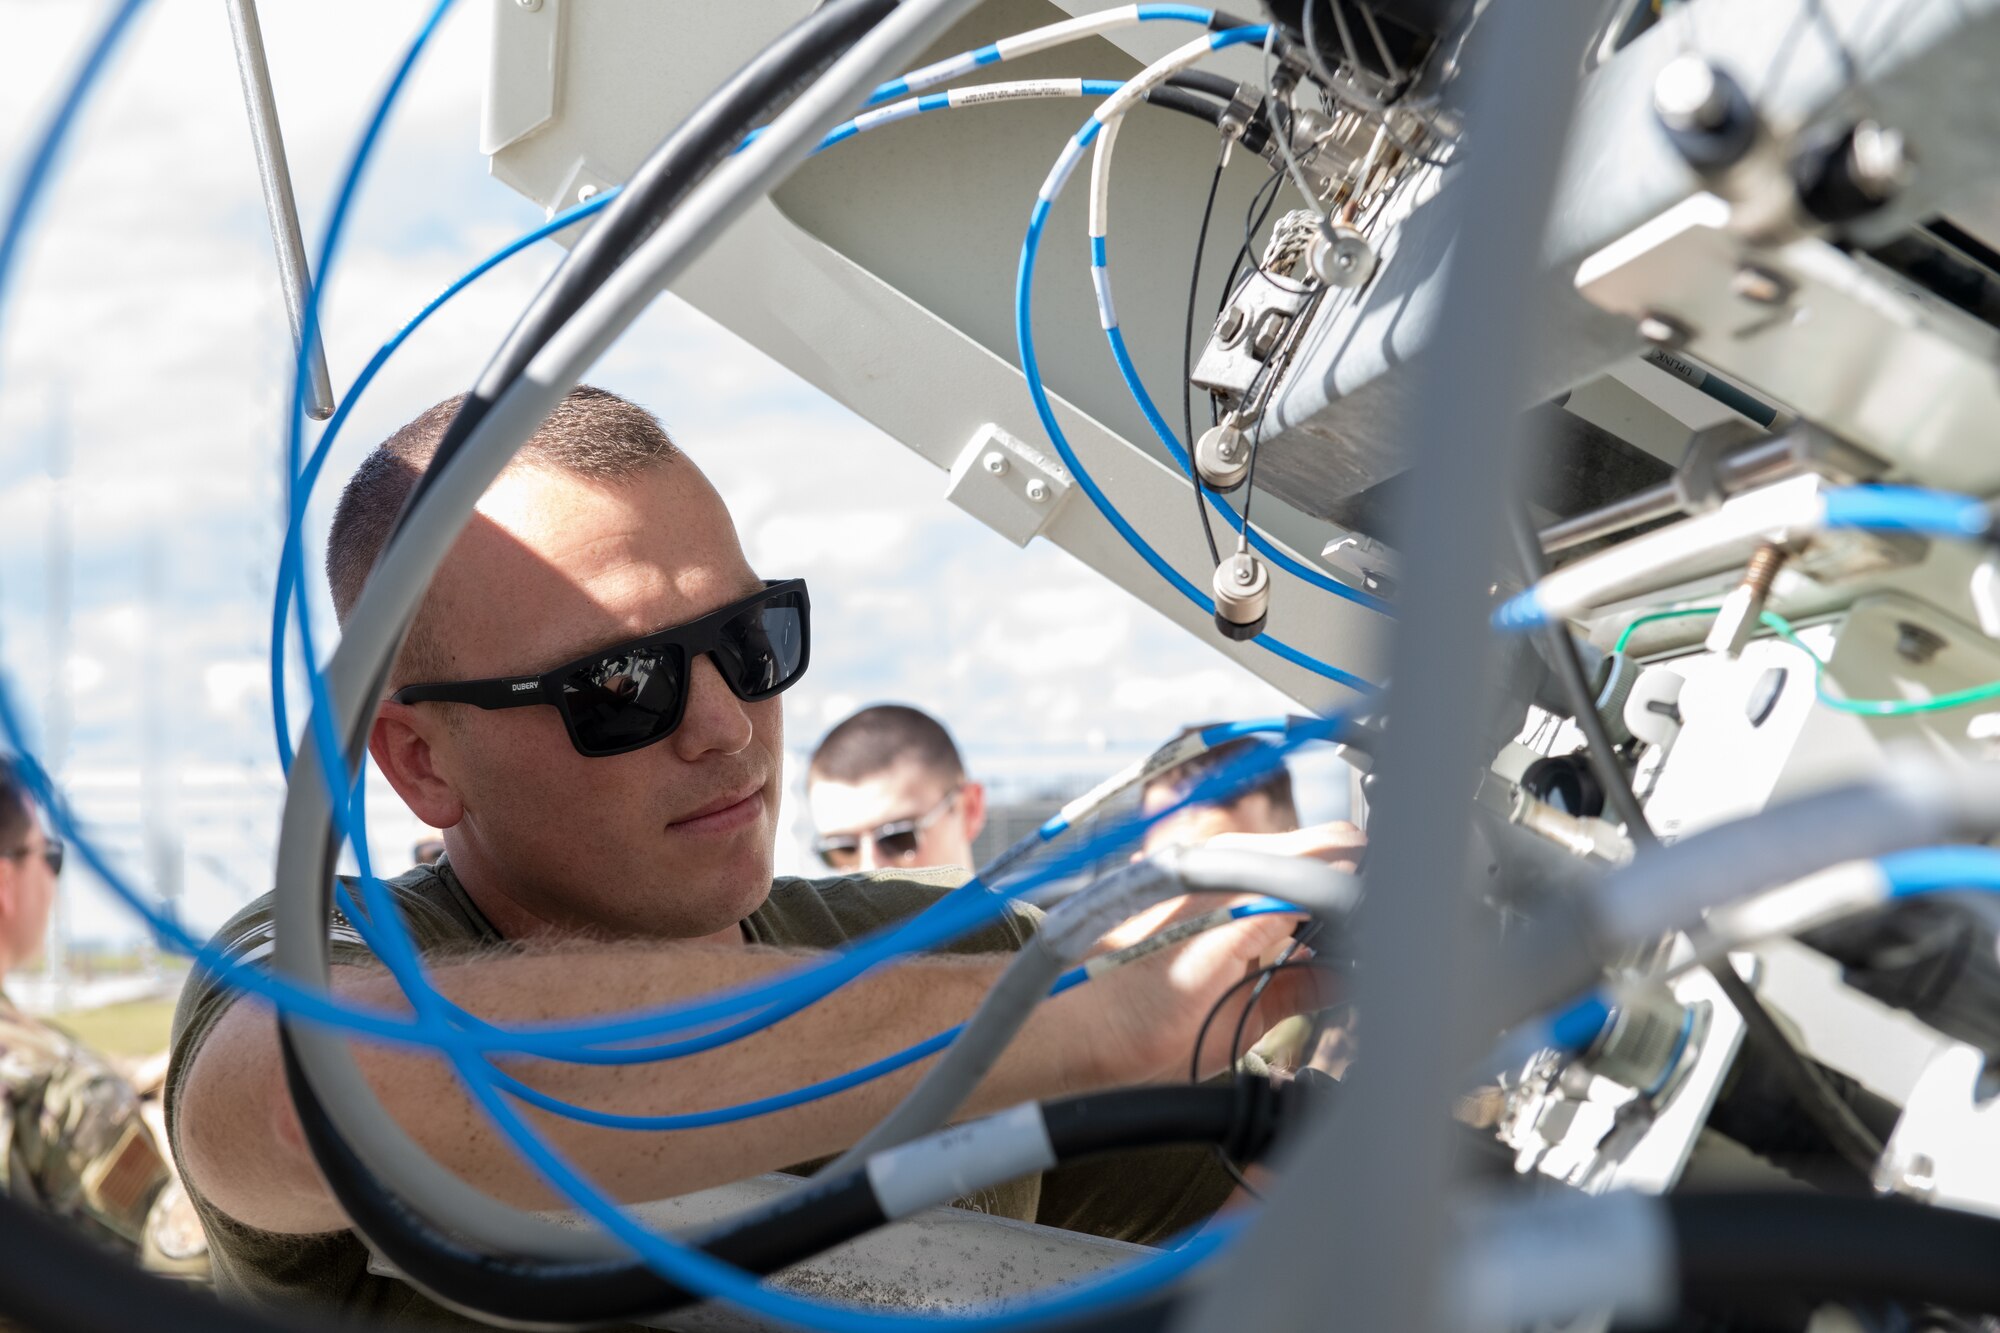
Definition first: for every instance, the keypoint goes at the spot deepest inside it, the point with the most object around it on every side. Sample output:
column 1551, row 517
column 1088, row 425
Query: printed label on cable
column 960, row 1161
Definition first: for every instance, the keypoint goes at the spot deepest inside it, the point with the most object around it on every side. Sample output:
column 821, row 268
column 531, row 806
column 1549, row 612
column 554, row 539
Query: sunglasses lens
column 841, row 858
column 618, row 703
column 897, row 846
column 763, row 650
column 54, row 855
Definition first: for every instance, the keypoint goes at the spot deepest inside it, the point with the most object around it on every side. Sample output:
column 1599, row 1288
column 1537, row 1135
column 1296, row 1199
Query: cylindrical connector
column 1341, row 256
column 1704, row 111
column 1242, row 596
column 1646, row 1044
column 1222, row 457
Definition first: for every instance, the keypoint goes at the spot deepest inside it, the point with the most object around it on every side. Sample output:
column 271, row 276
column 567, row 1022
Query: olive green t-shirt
column 1143, row 1197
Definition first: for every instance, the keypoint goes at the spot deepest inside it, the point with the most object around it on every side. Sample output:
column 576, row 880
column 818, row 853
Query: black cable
column 1742, row 1250
column 1185, row 102
column 1559, row 651
column 55, row 1281
column 1260, row 979
column 1243, row 1117
column 1206, row 81
column 709, row 134
column 1815, row 1096
column 1187, row 357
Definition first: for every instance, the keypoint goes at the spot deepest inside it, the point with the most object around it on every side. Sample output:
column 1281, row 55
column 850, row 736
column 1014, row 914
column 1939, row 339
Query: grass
column 137, row 1028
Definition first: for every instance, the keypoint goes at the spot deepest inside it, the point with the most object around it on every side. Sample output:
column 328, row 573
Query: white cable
column 1108, row 114
column 375, row 630
column 1021, row 44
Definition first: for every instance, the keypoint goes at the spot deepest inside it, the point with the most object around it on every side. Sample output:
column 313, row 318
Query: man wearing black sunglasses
column 73, row 1139
column 588, row 708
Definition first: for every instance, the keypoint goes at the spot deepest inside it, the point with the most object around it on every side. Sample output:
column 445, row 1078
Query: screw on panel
column 1878, row 159
column 1689, row 96
column 1760, row 286
column 1038, row 490
column 530, row 5
column 585, row 193
column 1663, row 330
column 1917, row 645
column 995, row 462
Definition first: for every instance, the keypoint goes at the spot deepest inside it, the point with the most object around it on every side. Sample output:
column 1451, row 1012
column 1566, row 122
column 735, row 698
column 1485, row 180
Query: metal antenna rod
column 276, row 178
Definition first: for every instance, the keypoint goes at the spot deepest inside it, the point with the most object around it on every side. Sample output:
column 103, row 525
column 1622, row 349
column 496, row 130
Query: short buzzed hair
column 879, row 737
column 1179, row 780
column 593, row 434
column 17, row 808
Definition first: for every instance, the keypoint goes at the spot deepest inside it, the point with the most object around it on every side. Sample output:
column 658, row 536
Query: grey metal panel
column 884, row 275
column 1925, row 67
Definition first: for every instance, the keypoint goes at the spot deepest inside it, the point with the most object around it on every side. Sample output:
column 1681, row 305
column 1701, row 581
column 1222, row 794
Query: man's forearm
column 863, row 1021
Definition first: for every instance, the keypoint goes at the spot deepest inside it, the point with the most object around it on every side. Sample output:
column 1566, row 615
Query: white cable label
column 961, row 1160
column 1014, row 92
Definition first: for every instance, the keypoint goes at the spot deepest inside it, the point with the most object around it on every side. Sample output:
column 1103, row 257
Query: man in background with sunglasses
column 587, row 706
column 73, row 1139
column 888, row 790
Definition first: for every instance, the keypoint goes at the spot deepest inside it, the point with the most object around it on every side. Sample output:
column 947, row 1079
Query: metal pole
column 276, row 179
column 1354, row 1236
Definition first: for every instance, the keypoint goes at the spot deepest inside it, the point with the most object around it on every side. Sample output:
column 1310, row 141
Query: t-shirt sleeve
column 249, row 937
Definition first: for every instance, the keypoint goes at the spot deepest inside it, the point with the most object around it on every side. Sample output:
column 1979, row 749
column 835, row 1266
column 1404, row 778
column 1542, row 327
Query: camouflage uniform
column 72, row 1141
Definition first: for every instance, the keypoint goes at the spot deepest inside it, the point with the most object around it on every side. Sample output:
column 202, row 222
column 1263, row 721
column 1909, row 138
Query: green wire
column 1857, row 707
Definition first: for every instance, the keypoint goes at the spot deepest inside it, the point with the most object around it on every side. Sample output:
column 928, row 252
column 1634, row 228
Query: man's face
column 27, row 893
column 903, row 792
column 1253, row 813
column 672, row 840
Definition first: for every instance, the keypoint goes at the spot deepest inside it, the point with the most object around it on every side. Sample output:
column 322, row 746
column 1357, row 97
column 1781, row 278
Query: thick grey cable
column 375, row 630
column 1912, row 803
column 1065, row 937
column 1357, row 1218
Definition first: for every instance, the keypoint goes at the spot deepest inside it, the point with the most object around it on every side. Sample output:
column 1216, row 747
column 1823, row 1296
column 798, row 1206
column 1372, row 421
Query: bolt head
column 995, row 462
column 1878, row 159
column 1038, row 490
column 529, row 5
column 1244, row 574
column 1663, row 330
column 585, row 193
column 1760, row 286
column 1688, row 95
column 1230, row 330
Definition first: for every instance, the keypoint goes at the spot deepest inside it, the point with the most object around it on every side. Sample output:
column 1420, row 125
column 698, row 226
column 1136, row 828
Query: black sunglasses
column 895, row 842
column 632, row 694
column 51, row 852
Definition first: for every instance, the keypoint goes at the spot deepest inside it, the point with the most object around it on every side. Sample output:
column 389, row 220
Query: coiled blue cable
column 1024, row 306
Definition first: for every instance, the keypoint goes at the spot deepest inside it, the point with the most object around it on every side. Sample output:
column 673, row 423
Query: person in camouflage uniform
column 72, row 1137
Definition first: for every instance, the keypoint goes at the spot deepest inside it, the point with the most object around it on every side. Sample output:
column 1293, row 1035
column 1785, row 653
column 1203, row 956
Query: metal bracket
column 1011, row 487
column 1251, row 328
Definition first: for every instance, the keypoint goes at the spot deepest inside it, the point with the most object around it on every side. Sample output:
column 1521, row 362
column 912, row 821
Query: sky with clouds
column 144, row 340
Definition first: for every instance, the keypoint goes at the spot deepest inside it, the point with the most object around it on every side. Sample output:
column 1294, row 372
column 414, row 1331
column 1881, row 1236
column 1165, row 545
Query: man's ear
column 972, row 802
column 404, row 744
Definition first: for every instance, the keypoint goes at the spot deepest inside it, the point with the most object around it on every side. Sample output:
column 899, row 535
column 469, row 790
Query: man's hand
column 1150, row 1019
column 1338, row 843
